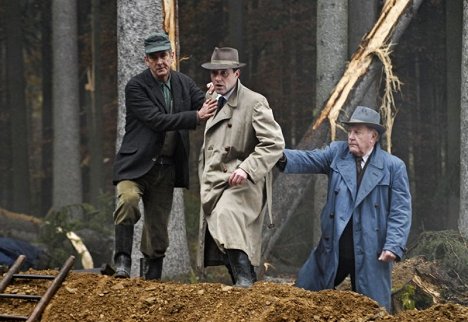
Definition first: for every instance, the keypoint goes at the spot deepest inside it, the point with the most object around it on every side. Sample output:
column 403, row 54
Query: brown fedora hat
column 224, row 58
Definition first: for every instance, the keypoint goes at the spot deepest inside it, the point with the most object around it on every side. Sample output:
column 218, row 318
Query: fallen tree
column 27, row 228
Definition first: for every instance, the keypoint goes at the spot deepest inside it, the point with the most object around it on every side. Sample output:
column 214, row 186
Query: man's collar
column 227, row 95
column 367, row 155
column 160, row 82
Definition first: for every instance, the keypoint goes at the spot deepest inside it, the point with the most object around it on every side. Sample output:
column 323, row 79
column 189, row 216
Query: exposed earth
column 99, row 298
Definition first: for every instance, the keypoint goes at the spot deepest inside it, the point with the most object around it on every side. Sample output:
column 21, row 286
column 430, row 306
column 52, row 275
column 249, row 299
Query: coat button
column 154, row 159
column 227, row 148
column 229, row 125
column 224, row 170
column 210, row 147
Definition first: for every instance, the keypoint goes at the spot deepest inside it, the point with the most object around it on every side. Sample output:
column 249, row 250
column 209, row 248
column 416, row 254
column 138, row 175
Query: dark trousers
column 346, row 256
column 345, row 268
column 155, row 189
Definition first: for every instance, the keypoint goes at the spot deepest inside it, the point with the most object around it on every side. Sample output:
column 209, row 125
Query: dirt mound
column 90, row 297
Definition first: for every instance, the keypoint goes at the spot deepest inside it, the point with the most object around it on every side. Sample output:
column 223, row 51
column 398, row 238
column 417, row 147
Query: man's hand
column 210, row 88
column 238, row 177
column 207, row 110
column 387, row 256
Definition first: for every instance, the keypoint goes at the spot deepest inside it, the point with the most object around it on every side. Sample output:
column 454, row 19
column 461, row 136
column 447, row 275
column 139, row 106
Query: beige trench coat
column 244, row 134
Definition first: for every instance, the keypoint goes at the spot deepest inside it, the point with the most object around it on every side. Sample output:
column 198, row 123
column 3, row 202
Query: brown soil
column 98, row 298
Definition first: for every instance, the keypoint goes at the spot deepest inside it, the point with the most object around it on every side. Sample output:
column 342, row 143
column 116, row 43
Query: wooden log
column 19, row 226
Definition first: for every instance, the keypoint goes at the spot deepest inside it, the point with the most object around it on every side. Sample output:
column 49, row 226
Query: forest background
column 278, row 40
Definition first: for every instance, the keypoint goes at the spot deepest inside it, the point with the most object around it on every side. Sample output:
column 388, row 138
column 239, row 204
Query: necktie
column 221, row 101
column 359, row 164
column 359, row 169
column 167, row 96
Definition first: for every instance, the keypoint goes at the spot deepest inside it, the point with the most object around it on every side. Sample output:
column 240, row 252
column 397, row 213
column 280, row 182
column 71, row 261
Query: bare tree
column 362, row 16
column 94, row 111
column 18, row 110
column 463, row 221
column 332, row 53
column 47, row 118
column 66, row 156
column 453, row 14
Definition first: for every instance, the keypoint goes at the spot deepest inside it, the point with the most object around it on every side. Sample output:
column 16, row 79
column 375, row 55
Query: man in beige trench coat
column 242, row 143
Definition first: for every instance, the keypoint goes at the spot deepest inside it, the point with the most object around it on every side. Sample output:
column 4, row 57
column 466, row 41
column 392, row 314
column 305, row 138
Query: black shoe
column 152, row 268
column 123, row 264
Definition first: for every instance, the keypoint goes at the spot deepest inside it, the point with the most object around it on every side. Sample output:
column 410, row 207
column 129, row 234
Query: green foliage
column 447, row 247
column 76, row 218
column 407, row 298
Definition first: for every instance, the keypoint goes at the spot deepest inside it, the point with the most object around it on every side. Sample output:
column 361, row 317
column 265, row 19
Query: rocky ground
column 98, row 298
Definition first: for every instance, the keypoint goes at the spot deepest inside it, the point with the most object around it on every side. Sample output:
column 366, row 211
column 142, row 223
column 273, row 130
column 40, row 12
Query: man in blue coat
column 367, row 216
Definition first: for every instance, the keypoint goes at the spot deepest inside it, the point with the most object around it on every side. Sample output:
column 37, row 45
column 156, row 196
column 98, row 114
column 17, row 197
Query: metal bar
column 20, row 296
column 34, row 276
column 13, row 317
column 51, row 290
column 13, row 270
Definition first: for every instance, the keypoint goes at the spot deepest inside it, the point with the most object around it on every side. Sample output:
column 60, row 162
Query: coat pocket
column 128, row 149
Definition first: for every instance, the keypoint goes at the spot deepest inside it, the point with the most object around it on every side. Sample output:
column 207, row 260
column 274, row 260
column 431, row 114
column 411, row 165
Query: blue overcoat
column 381, row 213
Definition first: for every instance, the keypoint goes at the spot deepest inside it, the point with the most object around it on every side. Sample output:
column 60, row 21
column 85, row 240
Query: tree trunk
column 18, row 110
column 453, row 18
column 235, row 25
column 67, row 188
column 463, row 220
column 332, row 52
column 177, row 260
column 19, row 226
column 289, row 189
column 47, row 120
column 94, row 115
column 5, row 145
column 362, row 16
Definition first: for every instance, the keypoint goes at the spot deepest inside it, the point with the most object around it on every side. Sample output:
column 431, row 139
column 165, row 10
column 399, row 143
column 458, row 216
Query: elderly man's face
column 361, row 139
column 224, row 79
column 160, row 64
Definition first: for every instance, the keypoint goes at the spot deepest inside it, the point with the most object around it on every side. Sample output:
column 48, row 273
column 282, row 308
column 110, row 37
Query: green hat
column 157, row 42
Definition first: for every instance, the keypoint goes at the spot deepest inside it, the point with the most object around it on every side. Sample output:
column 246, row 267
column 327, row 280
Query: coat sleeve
column 310, row 161
column 399, row 217
column 270, row 142
column 138, row 103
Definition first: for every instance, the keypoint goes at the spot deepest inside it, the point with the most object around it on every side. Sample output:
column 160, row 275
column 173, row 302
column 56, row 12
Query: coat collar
column 346, row 165
column 226, row 112
column 156, row 90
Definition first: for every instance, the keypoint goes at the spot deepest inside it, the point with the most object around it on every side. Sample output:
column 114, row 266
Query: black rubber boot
column 152, row 268
column 229, row 268
column 241, row 268
column 123, row 250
